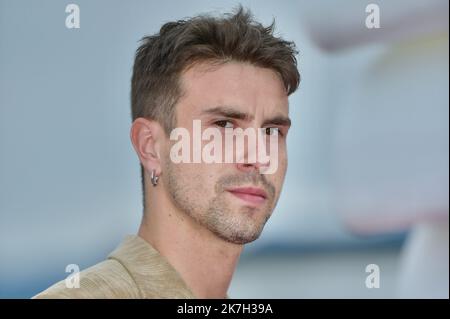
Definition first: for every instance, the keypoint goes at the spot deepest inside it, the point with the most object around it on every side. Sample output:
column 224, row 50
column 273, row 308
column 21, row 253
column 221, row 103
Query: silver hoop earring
column 154, row 178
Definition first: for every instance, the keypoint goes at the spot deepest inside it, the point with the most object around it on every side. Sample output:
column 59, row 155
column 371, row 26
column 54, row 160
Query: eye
column 224, row 124
column 272, row 130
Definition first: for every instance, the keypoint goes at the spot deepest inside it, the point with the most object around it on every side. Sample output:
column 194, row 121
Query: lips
column 251, row 195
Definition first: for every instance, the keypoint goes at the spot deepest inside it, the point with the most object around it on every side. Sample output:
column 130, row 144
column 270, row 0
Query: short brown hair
column 161, row 58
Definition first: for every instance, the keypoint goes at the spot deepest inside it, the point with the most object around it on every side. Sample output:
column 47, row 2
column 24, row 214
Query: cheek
column 282, row 167
column 202, row 176
column 193, row 177
column 282, row 160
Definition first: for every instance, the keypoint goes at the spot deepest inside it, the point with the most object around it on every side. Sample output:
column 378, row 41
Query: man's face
column 232, row 200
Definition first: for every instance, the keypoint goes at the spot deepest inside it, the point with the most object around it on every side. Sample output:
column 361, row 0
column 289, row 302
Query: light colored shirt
column 134, row 270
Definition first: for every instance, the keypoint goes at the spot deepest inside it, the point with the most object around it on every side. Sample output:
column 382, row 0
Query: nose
column 252, row 158
column 248, row 167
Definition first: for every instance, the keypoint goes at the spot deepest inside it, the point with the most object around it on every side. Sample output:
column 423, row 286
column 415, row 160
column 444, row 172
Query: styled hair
column 161, row 58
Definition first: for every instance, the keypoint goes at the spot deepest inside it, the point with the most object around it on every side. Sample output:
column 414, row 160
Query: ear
column 146, row 138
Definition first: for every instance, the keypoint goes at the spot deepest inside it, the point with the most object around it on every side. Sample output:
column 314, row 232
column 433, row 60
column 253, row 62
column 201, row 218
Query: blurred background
column 368, row 175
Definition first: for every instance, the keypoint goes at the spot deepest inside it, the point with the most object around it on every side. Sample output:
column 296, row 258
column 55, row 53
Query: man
column 228, row 72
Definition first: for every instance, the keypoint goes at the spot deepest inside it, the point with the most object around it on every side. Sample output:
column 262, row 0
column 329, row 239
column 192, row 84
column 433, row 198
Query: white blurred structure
column 425, row 272
column 391, row 134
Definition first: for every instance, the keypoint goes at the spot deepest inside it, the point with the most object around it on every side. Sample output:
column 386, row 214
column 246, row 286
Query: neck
column 205, row 262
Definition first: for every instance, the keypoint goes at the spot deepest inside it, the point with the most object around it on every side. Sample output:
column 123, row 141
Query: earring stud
column 154, row 178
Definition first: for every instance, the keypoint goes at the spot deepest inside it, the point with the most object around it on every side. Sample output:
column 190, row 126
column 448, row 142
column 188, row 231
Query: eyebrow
column 278, row 120
column 228, row 111
column 233, row 113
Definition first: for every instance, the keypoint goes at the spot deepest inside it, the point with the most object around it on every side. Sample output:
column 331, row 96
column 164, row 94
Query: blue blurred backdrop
column 367, row 181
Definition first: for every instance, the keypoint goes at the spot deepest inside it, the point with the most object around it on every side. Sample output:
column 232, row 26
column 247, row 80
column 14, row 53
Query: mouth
column 251, row 195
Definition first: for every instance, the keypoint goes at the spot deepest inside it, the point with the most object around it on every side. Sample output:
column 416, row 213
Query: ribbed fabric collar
column 152, row 273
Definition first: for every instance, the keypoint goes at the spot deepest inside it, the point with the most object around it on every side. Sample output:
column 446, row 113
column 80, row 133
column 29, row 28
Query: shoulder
column 108, row 279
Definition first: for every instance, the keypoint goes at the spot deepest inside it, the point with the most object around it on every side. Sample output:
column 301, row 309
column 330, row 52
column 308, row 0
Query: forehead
column 255, row 90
